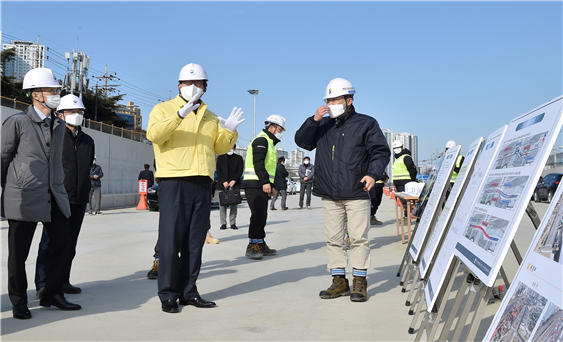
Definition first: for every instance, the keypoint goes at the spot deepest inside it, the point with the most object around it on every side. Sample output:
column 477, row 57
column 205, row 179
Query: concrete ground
column 275, row 298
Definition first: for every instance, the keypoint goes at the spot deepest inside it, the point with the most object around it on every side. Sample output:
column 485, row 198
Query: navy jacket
column 96, row 169
column 347, row 150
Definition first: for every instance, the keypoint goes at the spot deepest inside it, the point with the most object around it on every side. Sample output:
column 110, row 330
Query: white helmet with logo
column 40, row 78
column 192, row 72
column 276, row 119
column 70, row 101
column 338, row 87
column 450, row 144
column 397, row 143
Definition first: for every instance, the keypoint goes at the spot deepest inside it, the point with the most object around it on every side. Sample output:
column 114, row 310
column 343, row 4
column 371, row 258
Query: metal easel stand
column 407, row 258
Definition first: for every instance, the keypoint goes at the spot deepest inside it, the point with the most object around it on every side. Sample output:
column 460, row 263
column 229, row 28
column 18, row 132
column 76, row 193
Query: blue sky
column 440, row 70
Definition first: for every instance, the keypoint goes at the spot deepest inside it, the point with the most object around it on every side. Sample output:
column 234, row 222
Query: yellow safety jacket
column 457, row 165
column 400, row 170
column 186, row 147
column 270, row 162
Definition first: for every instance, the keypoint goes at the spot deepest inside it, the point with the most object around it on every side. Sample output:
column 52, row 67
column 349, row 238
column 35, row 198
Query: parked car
column 297, row 182
column 291, row 187
column 546, row 188
column 152, row 198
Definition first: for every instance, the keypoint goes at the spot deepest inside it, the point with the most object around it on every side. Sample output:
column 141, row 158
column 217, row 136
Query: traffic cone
column 142, row 203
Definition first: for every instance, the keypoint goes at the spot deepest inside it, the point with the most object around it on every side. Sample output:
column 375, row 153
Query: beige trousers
column 358, row 214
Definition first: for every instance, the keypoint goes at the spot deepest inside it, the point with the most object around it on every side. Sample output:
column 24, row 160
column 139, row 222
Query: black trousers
column 185, row 206
column 305, row 187
column 257, row 201
column 376, row 201
column 20, row 236
column 75, row 220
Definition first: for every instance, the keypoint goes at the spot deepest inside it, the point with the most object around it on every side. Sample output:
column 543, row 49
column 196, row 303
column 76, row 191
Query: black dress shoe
column 21, row 311
column 169, row 306
column 60, row 302
column 68, row 288
column 223, row 227
column 198, row 302
column 234, row 226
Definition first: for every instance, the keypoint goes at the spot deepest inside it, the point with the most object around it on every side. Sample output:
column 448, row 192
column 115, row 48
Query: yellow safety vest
column 400, row 170
column 457, row 165
column 270, row 162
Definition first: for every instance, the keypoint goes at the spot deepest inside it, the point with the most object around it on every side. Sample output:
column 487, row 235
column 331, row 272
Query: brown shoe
column 285, row 208
column 299, row 208
column 359, row 288
column 309, row 208
column 339, row 287
column 272, row 208
column 211, row 240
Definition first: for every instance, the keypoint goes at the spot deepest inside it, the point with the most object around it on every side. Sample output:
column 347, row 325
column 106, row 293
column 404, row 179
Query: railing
column 13, row 103
column 117, row 131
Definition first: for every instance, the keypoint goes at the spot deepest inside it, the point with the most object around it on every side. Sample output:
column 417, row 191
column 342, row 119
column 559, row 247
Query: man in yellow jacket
column 186, row 136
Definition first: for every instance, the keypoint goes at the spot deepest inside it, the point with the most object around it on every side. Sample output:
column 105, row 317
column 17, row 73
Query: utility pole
column 96, row 104
column 107, row 77
column 37, row 54
column 254, row 92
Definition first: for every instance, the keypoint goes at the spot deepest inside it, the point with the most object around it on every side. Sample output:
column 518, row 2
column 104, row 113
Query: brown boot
column 339, row 287
column 211, row 240
column 359, row 288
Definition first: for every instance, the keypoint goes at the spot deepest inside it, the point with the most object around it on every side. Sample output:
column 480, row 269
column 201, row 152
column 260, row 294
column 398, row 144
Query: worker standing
column 186, row 136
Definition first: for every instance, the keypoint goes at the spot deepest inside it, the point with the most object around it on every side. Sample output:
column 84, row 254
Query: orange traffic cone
column 142, row 203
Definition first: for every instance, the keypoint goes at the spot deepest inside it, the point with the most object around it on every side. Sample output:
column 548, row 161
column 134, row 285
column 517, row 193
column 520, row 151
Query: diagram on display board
column 449, row 208
column 443, row 260
column 532, row 307
column 436, row 197
column 491, row 226
column 503, row 192
column 418, row 210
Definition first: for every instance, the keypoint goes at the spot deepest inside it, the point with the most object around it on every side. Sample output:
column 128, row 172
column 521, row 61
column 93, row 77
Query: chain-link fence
column 117, row 131
column 13, row 103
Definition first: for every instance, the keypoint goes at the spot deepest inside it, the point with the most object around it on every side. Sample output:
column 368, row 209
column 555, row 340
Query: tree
column 106, row 109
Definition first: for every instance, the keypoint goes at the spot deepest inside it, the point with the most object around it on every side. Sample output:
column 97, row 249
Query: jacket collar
column 271, row 136
column 341, row 120
column 32, row 114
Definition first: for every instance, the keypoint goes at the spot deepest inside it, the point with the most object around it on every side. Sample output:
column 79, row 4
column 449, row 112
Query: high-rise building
column 281, row 153
column 131, row 114
column 295, row 157
column 28, row 56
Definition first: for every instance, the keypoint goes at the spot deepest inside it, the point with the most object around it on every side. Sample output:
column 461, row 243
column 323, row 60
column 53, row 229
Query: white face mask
column 397, row 150
column 279, row 135
column 230, row 153
column 94, row 162
column 190, row 92
column 53, row 101
column 74, row 119
column 306, row 162
column 336, row 110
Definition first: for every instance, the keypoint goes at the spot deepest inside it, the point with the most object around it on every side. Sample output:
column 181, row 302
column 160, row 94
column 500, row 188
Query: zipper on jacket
column 332, row 152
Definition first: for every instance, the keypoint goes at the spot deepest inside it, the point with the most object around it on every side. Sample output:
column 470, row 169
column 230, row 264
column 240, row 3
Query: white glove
column 189, row 107
column 232, row 121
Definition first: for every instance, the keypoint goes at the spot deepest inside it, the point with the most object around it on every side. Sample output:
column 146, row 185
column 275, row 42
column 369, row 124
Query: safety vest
column 457, row 165
column 270, row 161
column 400, row 170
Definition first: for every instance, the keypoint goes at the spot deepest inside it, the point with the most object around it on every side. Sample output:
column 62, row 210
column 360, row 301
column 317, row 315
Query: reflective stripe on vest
column 270, row 162
column 457, row 165
column 400, row 170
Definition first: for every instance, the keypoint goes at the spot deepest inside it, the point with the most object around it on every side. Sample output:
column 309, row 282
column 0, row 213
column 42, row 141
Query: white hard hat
column 338, row 87
column 450, row 144
column 276, row 119
column 40, row 78
column 192, row 72
column 70, row 101
column 397, row 143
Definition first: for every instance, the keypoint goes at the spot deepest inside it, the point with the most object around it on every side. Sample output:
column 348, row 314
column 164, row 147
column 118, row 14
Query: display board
column 432, row 207
column 444, row 220
column 427, row 189
column 532, row 308
column 502, row 199
column 443, row 261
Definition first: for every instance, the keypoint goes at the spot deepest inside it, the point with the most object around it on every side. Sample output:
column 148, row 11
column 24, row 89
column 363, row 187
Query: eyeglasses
column 197, row 83
column 335, row 99
column 50, row 90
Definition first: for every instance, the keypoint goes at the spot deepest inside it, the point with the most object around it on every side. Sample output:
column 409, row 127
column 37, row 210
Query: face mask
column 94, row 162
column 74, row 119
column 279, row 135
column 230, row 153
column 190, row 92
column 397, row 150
column 306, row 162
column 52, row 102
column 336, row 110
